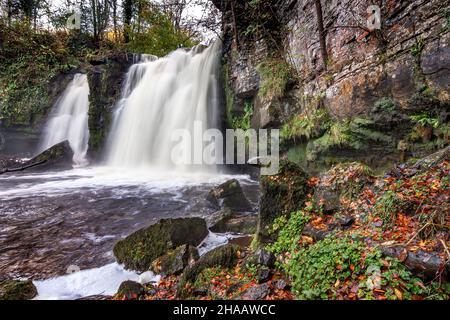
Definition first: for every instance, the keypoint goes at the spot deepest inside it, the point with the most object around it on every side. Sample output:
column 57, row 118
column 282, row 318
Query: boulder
column 229, row 195
column 342, row 182
column 256, row 293
column 59, row 157
column 281, row 195
column 263, row 274
column 140, row 249
column 235, row 223
column 174, row 262
column 261, row 257
column 223, row 257
column 130, row 290
column 17, row 290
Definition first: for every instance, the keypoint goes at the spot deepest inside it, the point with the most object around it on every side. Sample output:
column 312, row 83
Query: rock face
column 280, row 196
column 174, row 262
column 105, row 82
column 140, row 249
column 229, row 195
column 17, row 290
column 403, row 63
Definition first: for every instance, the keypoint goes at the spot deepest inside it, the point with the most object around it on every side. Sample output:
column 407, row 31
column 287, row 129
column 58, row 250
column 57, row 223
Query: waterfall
column 159, row 97
column 69, row 120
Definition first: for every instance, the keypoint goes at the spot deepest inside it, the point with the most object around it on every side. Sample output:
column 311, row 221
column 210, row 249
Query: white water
column 69, row 120
column 160, row 97
column 99, row 281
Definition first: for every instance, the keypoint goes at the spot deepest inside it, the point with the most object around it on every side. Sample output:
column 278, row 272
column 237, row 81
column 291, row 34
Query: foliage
column 219, row 283
column 385, row 104
column 418, row 47
column 344, row 267
column 31, row 60
column 306, row 125
column 426, row 120
column 289, row 231
column 352, row 134
column 245, row 121
column 275, row 73
column 158, row 35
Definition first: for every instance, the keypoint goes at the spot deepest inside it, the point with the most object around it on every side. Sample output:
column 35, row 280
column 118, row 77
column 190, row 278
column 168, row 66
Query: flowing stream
column 53, row 222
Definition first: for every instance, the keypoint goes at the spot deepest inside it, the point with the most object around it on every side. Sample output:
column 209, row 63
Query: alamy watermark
column 210, row 147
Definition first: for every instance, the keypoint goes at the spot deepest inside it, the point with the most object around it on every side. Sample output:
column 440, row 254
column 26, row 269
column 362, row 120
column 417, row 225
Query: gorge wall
column 381, row 95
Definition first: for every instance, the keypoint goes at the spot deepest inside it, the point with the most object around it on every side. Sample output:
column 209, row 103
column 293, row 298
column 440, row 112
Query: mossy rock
column 130, row 290
column 174, row 262
column 139, row 250
column 223, row 257
column 229, row 195
column 280, row 195
column 60, row 157
column 342, row 182
column 17, row 290
column 234, row 223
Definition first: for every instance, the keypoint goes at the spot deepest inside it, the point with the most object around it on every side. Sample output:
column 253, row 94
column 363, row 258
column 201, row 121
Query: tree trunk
column 127, row 16
column 322, row 35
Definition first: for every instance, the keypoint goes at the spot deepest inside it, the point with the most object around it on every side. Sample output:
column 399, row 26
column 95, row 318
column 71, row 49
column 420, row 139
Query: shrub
column 274, row 74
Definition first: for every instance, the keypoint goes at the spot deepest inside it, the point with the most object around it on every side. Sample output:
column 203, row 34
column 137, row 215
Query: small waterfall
column 159, row 97
column 69, row 120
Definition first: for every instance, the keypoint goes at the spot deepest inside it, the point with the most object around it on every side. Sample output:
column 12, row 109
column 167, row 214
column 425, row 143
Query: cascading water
column 162, row 96
column 69, row 120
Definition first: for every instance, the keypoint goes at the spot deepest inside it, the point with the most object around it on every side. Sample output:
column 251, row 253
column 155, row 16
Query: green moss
column 275, row 73
column 280, row 195
column 140, row 249
column 243, row 122
column 306, row 126
column 351, row 134
column 418, row 47
column 17, row 290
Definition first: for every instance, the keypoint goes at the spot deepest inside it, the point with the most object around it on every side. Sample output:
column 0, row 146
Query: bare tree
column 322, row 34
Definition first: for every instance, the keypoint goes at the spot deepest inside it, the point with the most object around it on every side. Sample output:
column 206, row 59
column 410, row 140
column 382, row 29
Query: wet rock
column 235, row 223
column 256, row 293
column 427, row 265
column 281, row 285
column 264, row 258
column 263, row 274
column 17, row 290
column 243, row 242
column 174, row 262
column 346, row 221
column 316, row 234
column 327, row 199
column 130, row 290
column 280, row 195
column 140, row 249
column 57, row 157
column 229, row 195
column 224, row 257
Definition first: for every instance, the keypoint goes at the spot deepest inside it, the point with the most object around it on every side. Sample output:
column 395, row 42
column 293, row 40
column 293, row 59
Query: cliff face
column 374, row 85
